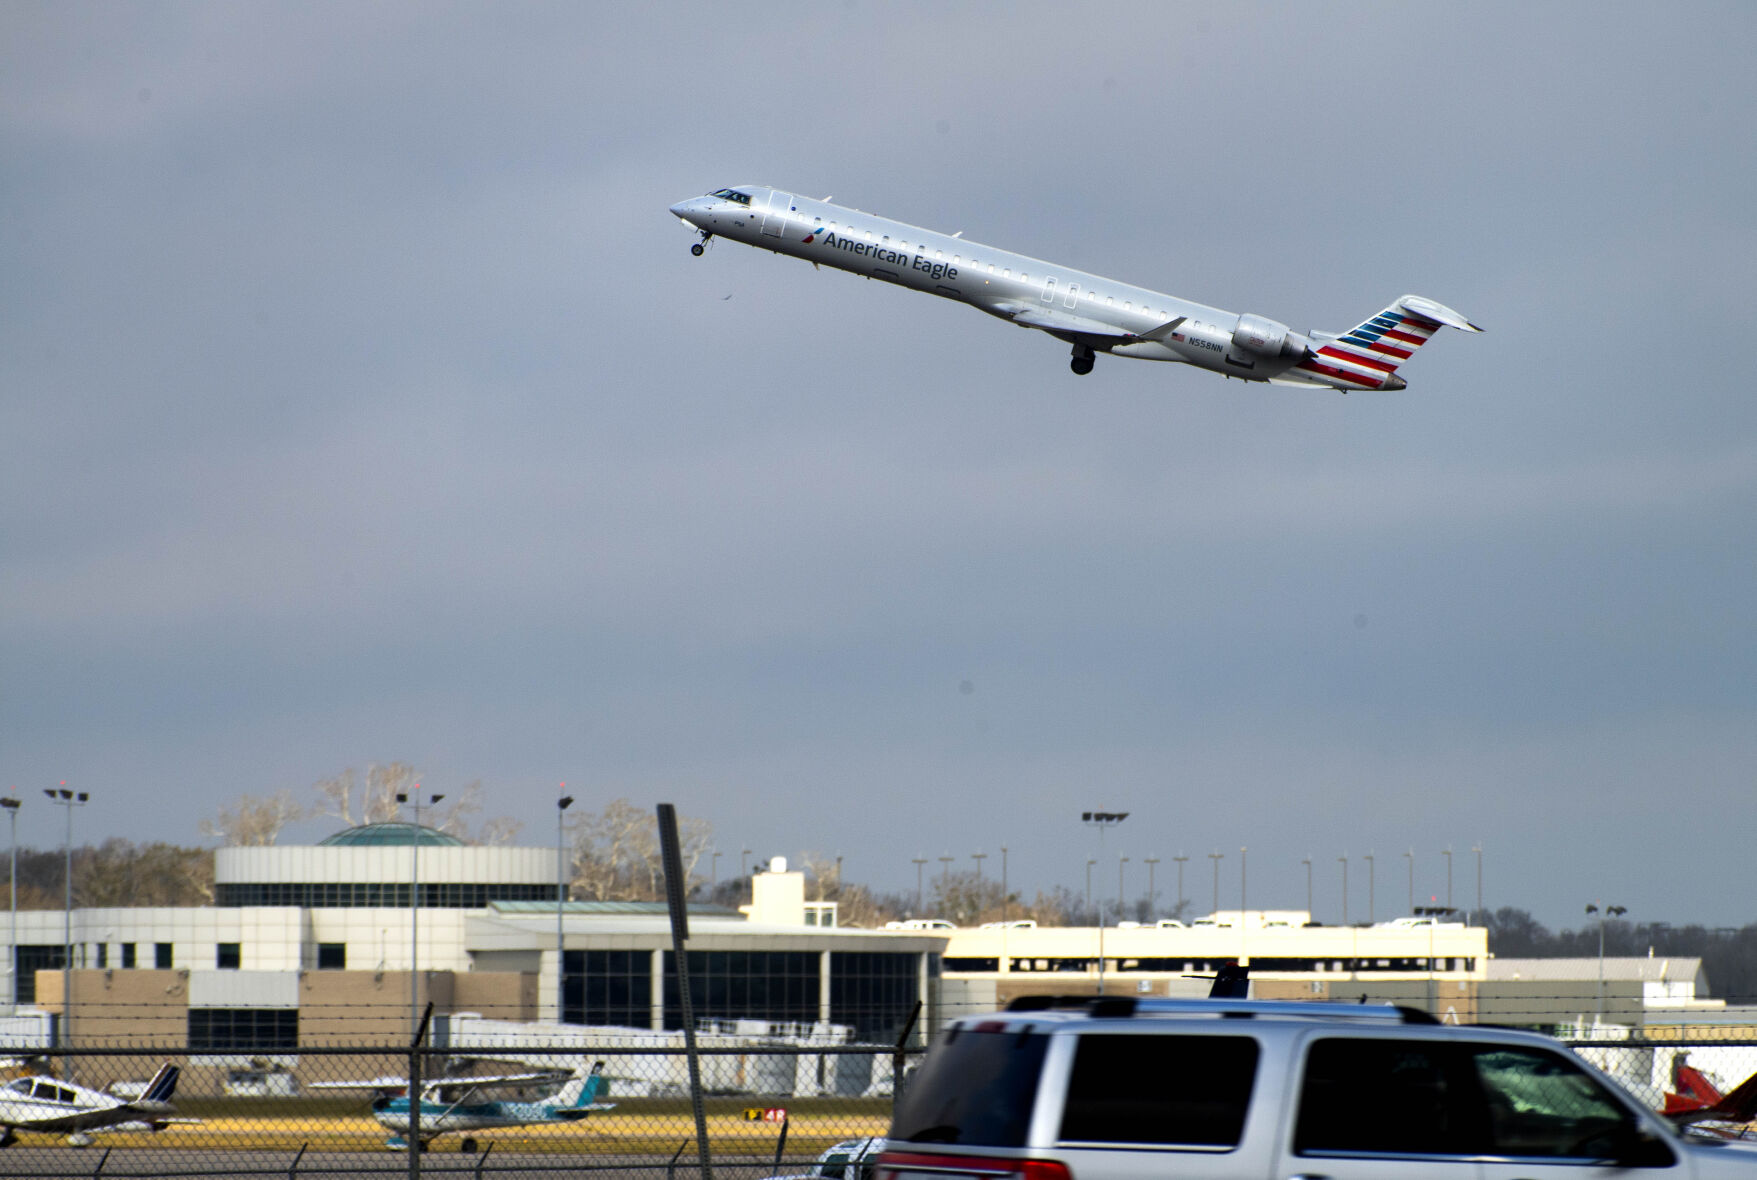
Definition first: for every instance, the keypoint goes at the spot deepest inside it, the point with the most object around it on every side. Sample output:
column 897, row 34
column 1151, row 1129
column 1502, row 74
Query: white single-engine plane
column 54, row 1107
column 1090, row 312
column 462, row 1103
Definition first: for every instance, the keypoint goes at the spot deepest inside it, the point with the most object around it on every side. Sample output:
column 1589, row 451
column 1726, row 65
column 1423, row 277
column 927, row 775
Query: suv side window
column 1369, row 1096
column 1173, row 1091
column 1542, row 1104
column 977, row 1086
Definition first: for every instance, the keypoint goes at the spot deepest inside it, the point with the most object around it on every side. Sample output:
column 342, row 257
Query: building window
column 607, row 987
column 332, row 956
column 128, row 956
column 376, row 894
column 162, row 956
column 32, row 959
column 778, row 986
column 875, row 991
column 103, row 955
column 228, row 956
column 243, row 1030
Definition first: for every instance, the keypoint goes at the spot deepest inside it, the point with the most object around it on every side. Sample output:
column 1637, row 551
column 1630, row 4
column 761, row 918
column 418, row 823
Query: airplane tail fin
column 1231, row 982
column 1368, row 354
column 584, row 1088
column 1738, row 1105
column 163, row 1085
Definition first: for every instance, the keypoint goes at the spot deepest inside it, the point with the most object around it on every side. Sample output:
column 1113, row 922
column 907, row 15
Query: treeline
column 1728, row 954
column 117, row 872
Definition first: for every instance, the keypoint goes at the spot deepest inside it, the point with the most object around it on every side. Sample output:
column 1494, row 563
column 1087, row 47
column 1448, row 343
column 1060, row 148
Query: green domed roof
column 390, row 834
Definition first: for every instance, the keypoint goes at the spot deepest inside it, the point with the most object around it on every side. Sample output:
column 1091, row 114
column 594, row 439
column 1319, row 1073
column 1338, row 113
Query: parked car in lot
column 1126, row 1089
column 852, row 1159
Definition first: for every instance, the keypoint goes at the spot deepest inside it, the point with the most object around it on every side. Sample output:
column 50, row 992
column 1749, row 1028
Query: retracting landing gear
column 1082, row 362
column 699, row 246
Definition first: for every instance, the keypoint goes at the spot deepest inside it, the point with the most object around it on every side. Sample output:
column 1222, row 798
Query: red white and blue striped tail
column 1367, row 356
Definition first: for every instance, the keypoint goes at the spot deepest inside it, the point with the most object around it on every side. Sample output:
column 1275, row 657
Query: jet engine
column 1267, row 338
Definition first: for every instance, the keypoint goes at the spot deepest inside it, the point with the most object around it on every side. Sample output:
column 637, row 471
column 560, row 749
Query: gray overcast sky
column 362, row 402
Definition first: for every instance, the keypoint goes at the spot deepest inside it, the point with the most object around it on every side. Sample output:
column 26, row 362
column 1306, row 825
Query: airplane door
column 775, row 216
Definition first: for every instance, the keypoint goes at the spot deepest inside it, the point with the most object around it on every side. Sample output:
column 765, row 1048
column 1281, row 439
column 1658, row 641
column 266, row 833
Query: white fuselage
column 1086, row 310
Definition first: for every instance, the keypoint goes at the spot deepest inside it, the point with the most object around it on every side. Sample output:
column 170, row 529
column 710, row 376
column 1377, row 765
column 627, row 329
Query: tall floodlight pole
column 1370, row 884
column 11, row 804
column 979, row 857
column 1609, row 911
column 1216, row 857
column 1152, row 861
column 1180, row 858
column 561, row 806
column 1344, row 859
column 946, row 879
column 1479, row 911
column 1307, row 861
column 920, row 907
column 1121, row 863
column 62, row 797
column 415, row 910
column 1410, row 857
column 1101, row 820
column 1005, row 900
column 1447, row 853
column 1089, row 863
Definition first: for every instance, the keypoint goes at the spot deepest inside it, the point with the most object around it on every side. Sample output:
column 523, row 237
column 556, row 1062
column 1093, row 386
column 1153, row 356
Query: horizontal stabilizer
column 1438, row 312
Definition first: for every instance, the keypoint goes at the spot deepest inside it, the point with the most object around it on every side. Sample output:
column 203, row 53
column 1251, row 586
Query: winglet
column 1438, row 312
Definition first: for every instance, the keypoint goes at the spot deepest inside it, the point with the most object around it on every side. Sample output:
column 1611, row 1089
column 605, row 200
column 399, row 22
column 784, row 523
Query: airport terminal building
column 336, row 944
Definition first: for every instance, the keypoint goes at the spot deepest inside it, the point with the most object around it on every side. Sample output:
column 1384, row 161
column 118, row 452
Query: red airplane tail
column 1738, row 1105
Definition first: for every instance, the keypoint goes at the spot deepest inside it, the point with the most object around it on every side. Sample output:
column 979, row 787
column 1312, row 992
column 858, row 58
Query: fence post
column 898, row 1058
column 415, row 1093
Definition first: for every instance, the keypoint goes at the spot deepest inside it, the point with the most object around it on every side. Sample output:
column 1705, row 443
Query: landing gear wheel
column 696, row 249
column 468, row 1146
column 1082, row 362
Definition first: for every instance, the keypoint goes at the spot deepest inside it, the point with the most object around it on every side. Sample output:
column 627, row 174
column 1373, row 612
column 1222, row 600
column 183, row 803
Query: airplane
column 51, row 1106
column 1698, row 1107
column 1092, row 313
column 457, row 1104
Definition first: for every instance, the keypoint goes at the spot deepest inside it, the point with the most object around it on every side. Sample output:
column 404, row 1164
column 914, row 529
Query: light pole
column 1344, row 859
column 1410, row 856
column 979, row 857
column 62, row 797
column 415, row 911
column 11, row 804
column 1216, row 857
column 561, row 806
column 1005, row 900
column 1152, row 861
column 946, row 879
column 1371, row 873
column 1307, row 861
column 1101, row 820
column 1180, row 858
column 1121, row 862
column 1089, row 863
column 1610, row 911
column 1479, row 913
column 918, row 862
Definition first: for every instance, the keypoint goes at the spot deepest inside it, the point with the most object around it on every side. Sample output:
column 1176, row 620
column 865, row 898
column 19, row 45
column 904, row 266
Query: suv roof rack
column 1116, row 1007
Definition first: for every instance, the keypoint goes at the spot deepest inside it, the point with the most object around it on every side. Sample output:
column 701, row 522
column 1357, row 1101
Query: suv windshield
column 976, row 1087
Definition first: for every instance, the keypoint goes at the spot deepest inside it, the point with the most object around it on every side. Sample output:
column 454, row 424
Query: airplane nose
column 677, row 209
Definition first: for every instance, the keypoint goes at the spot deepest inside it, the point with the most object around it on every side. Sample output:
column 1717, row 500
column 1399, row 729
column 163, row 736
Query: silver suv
column 1221, row 1089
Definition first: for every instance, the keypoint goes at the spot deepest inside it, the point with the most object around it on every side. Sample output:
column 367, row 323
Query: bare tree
column 376, row 802
column 252, row 820
column 616, row 852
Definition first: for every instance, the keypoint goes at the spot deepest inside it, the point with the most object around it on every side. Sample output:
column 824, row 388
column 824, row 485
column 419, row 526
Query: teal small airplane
column 463, row 1104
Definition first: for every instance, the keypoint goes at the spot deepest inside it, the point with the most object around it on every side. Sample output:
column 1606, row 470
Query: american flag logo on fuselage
column 1368, row 354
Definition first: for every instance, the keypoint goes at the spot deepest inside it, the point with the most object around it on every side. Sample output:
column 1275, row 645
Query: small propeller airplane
column 51, row 1106
column 460, row 1104
column 1092, row 313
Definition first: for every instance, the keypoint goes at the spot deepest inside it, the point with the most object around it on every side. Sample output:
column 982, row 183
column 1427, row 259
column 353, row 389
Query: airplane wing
column 1048, row 319
column 399, row 1084
column 574, row 1114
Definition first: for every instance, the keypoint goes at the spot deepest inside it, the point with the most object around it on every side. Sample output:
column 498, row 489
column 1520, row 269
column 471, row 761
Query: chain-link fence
column 604, row 1101
column 529, row 1110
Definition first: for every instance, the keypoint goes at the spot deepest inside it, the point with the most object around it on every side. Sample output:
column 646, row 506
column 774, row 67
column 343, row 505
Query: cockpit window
column 732, row 194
